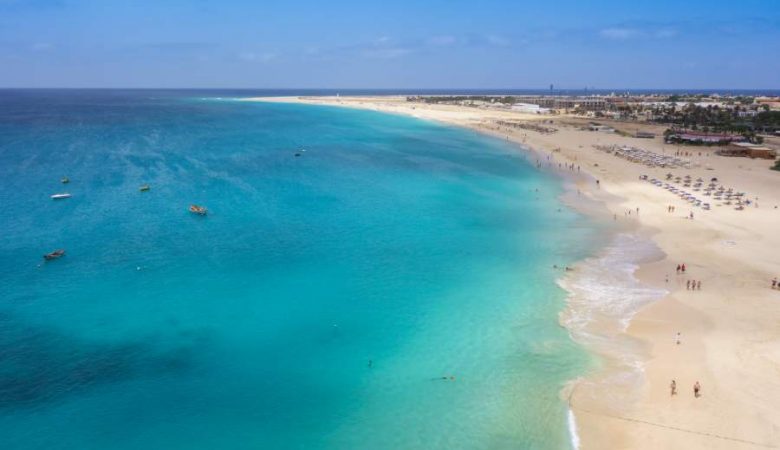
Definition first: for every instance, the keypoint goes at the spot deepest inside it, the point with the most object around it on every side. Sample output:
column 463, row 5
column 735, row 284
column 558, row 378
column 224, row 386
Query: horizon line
column 390, row 88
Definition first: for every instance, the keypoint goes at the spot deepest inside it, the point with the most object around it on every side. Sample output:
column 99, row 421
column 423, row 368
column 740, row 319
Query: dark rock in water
column 297, row 154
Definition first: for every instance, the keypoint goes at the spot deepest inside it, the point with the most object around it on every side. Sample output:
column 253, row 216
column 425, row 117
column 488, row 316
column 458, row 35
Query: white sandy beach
column 730, row 329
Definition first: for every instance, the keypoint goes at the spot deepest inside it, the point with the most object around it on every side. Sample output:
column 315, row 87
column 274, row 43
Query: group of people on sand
column 628, row 212
column 673, row 386
column 568, row 166
column 670, row 209
column 696, row 388
column 682, row 153
column 691, row 285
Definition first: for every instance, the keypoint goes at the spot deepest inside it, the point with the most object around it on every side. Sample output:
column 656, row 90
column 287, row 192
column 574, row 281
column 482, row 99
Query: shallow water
column 604, row 296
column 419, row 248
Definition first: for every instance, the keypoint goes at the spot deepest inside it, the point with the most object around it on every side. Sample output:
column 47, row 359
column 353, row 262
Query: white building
column 529, row 108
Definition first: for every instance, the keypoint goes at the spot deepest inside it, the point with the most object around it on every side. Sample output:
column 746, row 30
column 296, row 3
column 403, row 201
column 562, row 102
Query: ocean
column 361, row 281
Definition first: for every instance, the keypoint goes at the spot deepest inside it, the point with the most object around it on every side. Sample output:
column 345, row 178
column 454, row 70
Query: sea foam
column 604, row 295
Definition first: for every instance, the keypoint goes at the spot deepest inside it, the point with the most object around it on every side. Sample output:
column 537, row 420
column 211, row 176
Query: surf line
column 670, row 427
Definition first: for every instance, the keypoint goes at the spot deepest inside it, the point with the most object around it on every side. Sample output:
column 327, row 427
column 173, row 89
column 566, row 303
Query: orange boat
column 195, row 209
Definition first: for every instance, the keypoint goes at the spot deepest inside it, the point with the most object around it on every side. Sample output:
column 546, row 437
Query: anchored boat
column 54, row 255
column 60, row 196
column 195, row 209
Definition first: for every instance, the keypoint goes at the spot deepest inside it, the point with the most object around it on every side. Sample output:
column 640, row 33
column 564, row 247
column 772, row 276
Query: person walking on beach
column 774, row 282
column 696, row 389
column 673, row 387
column 678, row 338
column 688, row 285
column 682, row 267
column 698, row 285
column 678, row 269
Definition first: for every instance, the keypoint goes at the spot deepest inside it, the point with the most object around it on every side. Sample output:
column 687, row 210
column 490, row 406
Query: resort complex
column 747, row 125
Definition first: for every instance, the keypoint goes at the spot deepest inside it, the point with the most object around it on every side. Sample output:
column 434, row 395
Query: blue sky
column 390, row 44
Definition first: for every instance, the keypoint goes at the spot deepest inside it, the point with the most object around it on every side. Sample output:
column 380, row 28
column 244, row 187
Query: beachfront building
column 529, row 108
column 701, row 138
column 602, row 128
column 748, row 150
column 581, row 103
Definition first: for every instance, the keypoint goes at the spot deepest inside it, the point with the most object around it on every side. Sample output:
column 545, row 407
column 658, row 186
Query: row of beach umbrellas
column 718, row 192
column 646, row 157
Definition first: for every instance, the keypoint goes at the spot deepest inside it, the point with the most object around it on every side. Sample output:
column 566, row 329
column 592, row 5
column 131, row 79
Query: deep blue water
column 423, row 249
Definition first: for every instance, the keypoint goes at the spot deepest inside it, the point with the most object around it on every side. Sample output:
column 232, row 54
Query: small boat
column 65, row 180
column 195, row 209
column 54, row 255
column 144, row 188
column 60, row 196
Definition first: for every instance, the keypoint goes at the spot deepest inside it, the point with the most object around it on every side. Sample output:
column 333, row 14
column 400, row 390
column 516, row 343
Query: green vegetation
column 767, row 120
column 708, row 119
column 713, row 119
column 738, row 115
column 506, row 100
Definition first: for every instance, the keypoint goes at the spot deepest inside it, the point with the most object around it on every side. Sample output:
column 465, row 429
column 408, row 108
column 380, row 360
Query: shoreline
column 730, row 329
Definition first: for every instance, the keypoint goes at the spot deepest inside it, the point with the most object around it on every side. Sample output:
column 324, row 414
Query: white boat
column 60, row 196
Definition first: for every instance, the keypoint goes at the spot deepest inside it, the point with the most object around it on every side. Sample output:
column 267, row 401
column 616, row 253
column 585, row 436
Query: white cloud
column 384, row 47
column 497, row 40
column 442, row 41
column 42, row 46
column 620, row 33
column 665, row 33
column 256, row 57
column 637, row 33
column 386, row 52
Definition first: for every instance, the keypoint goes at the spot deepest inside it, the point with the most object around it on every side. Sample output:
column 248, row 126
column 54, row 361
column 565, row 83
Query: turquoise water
column 318, row 305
